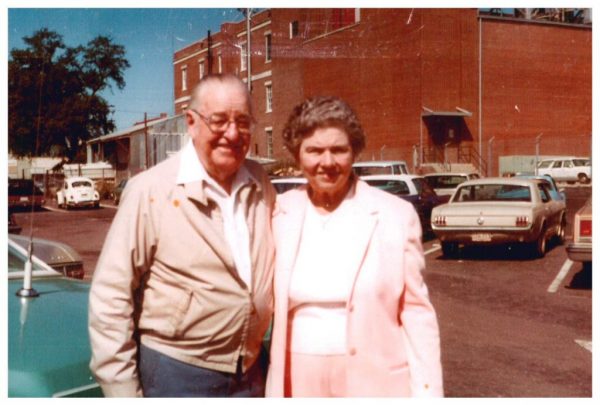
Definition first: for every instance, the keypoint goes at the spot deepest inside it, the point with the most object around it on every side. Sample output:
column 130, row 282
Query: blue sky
column 149, row 37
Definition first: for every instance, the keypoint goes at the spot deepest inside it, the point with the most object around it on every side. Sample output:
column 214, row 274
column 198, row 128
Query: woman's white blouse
column 321, row 282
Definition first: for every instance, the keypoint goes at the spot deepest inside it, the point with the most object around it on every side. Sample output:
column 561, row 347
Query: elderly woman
column 352, row 313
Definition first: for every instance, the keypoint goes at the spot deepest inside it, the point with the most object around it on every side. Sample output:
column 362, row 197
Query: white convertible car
column 500, row 210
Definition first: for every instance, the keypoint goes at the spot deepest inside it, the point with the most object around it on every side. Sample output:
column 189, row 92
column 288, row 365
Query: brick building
column 429, row 85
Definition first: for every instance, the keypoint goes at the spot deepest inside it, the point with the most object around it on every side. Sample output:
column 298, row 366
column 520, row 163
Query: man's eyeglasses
column 219, row 123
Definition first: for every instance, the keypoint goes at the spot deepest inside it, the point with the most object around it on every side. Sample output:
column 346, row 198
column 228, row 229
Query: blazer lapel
column 288, row 239
column 364, row 220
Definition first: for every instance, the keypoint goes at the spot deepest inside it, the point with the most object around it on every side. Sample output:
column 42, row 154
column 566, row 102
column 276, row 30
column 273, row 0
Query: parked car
column 24, row 193
column 48, row 342
column 118, row 191
column 411, row 188
column 500, row 210
column 567, row 169
column 283, row 184
column 78, row 192
column 13, row 226
column 580, row 250
column 60, row 256
column 380, row 167
column 446, row 183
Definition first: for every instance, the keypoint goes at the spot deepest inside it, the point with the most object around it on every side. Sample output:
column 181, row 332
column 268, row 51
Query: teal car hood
column 48, row 341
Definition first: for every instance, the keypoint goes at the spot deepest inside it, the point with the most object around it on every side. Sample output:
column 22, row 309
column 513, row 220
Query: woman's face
column 326, row 159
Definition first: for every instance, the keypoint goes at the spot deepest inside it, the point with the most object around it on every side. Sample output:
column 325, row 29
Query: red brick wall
column 537, row 78
column 393, row 62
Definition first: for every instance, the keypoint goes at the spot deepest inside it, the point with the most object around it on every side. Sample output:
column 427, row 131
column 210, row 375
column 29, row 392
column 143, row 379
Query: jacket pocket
column 179, row 312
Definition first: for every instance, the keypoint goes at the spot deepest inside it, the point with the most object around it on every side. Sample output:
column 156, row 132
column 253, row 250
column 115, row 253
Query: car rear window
column 23, row 188
column 544, row 164
column 82, row 184
column 493, row 192
column 581, row 162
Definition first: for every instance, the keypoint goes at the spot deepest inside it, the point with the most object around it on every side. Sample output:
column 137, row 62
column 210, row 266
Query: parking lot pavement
column 51, row 205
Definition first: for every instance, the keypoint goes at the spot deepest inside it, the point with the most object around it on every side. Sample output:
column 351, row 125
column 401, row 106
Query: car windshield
column 445, row 181
column 366, row 171
column 282, row 187
column 493, row 192
column 397, row 187
column 422, row 186
column 82, row 183
column 544, row 164
column 16, row 261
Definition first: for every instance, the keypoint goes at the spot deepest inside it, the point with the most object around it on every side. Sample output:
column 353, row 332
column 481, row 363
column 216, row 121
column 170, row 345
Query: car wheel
column 539, row 246
column 583, row 178
column 449, row 249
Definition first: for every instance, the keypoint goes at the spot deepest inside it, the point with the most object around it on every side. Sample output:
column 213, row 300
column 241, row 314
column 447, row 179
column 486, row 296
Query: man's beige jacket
column 166, row 278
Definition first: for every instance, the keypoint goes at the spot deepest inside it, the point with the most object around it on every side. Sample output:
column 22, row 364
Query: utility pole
column 146, row 138
column 489, row 167
column 209, row 52
column 248, row 14
column 537, row 152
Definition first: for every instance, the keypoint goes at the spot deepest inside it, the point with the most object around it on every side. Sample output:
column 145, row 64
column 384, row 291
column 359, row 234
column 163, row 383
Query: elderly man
column 182, row 294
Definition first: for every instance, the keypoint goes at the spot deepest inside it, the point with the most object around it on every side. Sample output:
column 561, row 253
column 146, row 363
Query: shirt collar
column 192, row 170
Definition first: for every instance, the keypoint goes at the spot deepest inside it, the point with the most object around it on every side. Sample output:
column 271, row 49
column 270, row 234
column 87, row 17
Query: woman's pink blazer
column 393, row 343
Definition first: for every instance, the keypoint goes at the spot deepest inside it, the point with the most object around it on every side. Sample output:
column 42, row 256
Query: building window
column 243, row 57
column 269, row 138
column 294, row 29
column 268, row 47
column 201, row 71
column 220, row 63
column 269, row 96
column 184, row 78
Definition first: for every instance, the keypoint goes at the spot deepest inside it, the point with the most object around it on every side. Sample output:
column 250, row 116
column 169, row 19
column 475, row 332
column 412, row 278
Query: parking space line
column 435, row 248
column 586, row 344
column 49, row 208
column 560, row 276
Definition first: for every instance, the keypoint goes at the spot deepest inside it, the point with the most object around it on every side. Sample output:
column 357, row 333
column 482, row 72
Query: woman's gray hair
column 322, row 112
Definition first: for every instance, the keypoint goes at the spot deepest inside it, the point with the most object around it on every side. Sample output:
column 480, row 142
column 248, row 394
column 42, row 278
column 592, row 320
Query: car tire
column 449, row 249
column 560, row 234
column 583, row 178
column 539, row 246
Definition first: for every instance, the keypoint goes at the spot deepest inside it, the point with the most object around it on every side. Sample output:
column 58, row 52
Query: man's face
column 220, row 129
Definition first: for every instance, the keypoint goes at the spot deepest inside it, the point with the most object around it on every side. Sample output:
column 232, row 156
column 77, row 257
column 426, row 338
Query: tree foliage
column 54, row 93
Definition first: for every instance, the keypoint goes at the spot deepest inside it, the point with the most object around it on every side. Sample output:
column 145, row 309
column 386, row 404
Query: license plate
column 24, row 199
column 481, row 237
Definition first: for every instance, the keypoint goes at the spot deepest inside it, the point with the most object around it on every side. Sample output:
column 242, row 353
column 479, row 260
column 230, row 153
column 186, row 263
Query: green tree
column 54, row 93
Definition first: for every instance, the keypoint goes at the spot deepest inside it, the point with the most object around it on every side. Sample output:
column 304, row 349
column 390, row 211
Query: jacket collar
column 194, row 178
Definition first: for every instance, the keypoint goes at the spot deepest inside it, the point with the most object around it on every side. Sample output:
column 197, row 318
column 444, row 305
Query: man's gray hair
column 218, row 78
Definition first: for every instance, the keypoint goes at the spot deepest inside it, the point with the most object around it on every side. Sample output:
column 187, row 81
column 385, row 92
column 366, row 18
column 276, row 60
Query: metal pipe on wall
column 479, row 95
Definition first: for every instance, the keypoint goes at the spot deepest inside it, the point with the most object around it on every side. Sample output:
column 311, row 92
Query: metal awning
column 460, row 112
